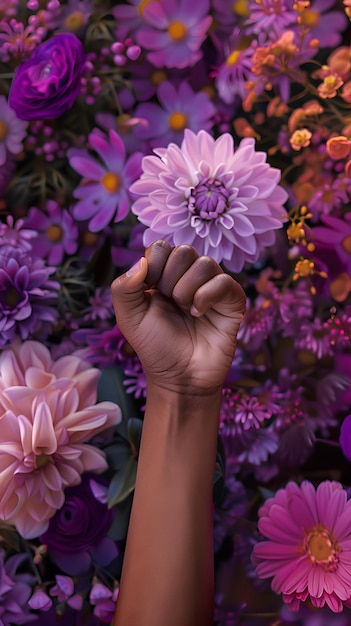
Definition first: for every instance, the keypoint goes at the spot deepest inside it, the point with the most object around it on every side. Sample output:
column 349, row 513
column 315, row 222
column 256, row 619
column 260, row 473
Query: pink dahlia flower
column 47, row 413
column 225, row 203
column 308, row 551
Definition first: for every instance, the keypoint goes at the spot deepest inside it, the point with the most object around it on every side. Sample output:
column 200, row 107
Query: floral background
column 225, row 125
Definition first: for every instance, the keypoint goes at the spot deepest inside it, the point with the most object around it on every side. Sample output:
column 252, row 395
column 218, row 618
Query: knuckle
column 180, row 297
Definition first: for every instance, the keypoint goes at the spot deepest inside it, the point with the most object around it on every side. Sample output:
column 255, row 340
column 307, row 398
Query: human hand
column 180, row 313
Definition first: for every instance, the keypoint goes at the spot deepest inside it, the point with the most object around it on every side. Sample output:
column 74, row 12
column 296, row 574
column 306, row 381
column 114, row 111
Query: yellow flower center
column 346, row 244
column 309, row 18
column 90, row 239
column 233, row 57
column 54, row 233
column 306, row 357
column 121, row 120
column 240, row 8
column 177, row 30
column 42, row 460
column 111, row 182
column 158, row 77
column 321, row 546
column 330, row 82
column 12, row 298
column 74, row 21
column 177, row 121
column 4, row 129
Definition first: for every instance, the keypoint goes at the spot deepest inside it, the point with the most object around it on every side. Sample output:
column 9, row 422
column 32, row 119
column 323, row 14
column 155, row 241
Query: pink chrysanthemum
column 308, row 551
column 225, row 203
column 47, row 413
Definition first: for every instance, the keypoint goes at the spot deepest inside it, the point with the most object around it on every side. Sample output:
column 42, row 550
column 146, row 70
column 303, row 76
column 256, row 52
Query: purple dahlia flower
column 28, row 297
column 225, row 203
column 47, row 85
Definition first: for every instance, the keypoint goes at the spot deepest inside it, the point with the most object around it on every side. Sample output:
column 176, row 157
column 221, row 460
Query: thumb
column 128, row 296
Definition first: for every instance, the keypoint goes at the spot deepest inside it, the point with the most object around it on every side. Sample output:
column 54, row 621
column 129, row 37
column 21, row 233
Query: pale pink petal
column 43, row 435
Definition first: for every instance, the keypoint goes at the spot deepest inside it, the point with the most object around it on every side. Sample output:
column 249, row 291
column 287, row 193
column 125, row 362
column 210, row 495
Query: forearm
column 167, row 575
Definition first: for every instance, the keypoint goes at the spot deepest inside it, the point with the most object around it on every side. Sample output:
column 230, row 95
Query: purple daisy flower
column 226, row 204
column 103, row 194
column 12, row 131
column 276, row 15
column 174, row 31
column 181, row 108
column 57, row 232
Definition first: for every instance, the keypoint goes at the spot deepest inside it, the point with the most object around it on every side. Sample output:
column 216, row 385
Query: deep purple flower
column 15, row 590
column 77, row 532
column 103, row 194
column 47, row 85
column 226, row 204
column 27, row 295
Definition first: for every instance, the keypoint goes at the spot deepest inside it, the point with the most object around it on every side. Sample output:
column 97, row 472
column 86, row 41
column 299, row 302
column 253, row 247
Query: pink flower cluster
column 47, row 413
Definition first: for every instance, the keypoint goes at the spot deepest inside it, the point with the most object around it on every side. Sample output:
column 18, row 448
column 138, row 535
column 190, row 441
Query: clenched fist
column 181, row 313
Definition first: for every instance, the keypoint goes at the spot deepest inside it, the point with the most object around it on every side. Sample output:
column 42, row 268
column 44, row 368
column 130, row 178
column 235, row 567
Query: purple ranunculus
column 47, row 85
column 78, row 531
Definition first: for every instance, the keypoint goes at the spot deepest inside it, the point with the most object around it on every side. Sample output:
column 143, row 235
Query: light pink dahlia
column 308, row 551
column 47, row 413
column 225, row 202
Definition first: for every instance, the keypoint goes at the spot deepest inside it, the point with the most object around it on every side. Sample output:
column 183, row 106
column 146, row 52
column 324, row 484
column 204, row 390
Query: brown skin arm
column 181, row 313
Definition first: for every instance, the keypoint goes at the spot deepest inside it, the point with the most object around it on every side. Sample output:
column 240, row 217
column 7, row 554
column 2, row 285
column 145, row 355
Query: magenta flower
column 57, row 232
column 47, row 85
column 47, row 412
column 174, row 31
column 12, row 131
column 180, row 108
column 308, row 551
column 335, row 237
column 225, row 203
column 103, row 194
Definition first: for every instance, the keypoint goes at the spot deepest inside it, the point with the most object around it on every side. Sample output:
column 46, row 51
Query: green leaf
column 119, row 528
column 134, row 430
column 110, row 387
column 123, row 483
column 118, row 454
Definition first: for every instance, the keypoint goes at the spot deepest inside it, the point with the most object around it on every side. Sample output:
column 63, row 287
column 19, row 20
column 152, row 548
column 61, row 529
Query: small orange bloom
column 338, row 147
column 301, row 138
column 329, row 86
column 346, row 92
column 340, row 62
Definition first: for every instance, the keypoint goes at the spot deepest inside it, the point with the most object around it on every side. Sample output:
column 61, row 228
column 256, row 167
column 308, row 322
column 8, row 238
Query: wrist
column 182, row 402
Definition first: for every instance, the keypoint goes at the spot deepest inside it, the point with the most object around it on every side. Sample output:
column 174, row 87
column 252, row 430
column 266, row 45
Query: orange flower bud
column 338, row 147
